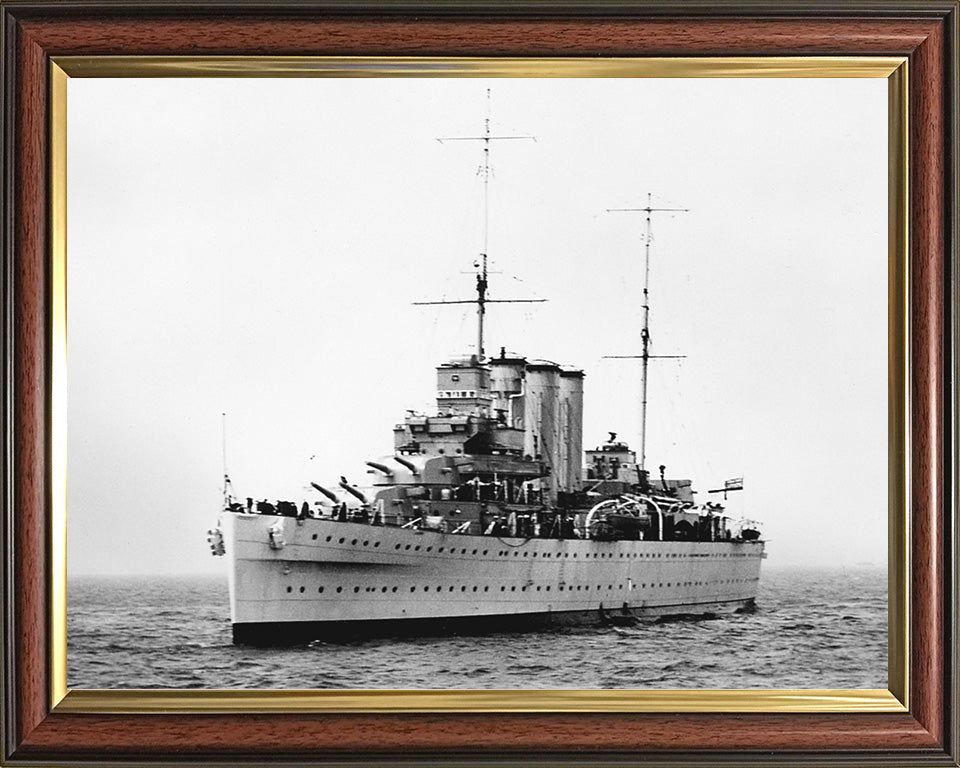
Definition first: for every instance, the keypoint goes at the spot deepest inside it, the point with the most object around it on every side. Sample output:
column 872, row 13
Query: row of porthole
column 453, row 550
column 523, row 588
column 352, row 543
column 506, row 553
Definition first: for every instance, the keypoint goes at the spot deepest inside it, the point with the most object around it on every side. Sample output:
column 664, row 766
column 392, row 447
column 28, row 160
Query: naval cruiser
column 488, row 516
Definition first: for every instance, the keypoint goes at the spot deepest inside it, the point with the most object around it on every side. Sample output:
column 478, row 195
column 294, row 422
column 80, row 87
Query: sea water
column 812, row 628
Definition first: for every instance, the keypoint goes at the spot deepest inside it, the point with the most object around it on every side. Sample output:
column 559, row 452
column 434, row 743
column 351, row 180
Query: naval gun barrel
column 381, row 467
column 329, row 494
column 408, row 464
column 353, row 491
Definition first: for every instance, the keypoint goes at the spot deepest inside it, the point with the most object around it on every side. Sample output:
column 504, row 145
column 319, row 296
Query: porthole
column 320, row 590
column 397, row 546
column 407, row 546
column 416, row 548
column 484, row 551
column 356, row 589
column 503, row 589
column 413, row 589
column 474, row 589
column 289, row 589
column 329, row 537
column 513, row 589
column 302, row 590
column 463, row 551
column 450, row 590
column 339, row 589
column 474, row 551
column 353, row 543
column 376, row 544
column 463, row 589
column 439, row 588
column 314, row 537
column 440, row 549
column 384, row 590
column 429, row 549
column 342, row 540
column 366, row 543
column 426, row 589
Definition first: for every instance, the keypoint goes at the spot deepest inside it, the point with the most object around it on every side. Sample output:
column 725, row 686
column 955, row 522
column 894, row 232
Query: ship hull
column 293, row 581
column 280, row 633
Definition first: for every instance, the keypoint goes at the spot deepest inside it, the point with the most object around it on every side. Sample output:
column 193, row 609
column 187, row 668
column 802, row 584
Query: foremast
column 484, row 170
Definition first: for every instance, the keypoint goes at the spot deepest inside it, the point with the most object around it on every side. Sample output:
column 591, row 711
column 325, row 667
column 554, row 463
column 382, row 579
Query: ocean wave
column 810, row 631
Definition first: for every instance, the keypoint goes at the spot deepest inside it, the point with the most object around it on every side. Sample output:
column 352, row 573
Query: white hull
column 325, row 575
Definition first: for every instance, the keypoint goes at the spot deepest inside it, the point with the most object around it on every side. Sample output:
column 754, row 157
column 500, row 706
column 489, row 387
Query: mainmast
column 481, row 264
column 645, row 355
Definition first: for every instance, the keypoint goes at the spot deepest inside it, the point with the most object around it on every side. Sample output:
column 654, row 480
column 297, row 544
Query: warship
column 489, row 516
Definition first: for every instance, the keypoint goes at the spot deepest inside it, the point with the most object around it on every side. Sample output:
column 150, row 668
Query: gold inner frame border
column 137, row 701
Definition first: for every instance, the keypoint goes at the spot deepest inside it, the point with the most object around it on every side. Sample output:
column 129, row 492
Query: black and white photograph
column 477, row 383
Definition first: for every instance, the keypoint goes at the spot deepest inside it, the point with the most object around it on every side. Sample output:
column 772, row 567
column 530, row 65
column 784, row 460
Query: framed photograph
column 469, row 383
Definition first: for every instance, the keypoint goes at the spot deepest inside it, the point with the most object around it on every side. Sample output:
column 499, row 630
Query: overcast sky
column 253, row 247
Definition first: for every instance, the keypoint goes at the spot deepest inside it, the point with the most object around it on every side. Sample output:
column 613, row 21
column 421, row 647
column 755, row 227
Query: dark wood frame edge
column 538, row 9
column 928, row 735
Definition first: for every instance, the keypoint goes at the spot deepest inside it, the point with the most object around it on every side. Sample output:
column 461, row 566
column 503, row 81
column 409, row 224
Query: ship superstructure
column 487, row 516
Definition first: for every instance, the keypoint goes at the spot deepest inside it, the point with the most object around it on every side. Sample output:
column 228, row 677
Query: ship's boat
column 622, row 619
column 487, row 515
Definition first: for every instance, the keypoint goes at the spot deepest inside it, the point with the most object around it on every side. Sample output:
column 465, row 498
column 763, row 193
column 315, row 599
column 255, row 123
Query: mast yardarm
column 481, row 301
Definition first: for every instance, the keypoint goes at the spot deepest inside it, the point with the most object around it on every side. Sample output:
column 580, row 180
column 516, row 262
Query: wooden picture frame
column 41, row 727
